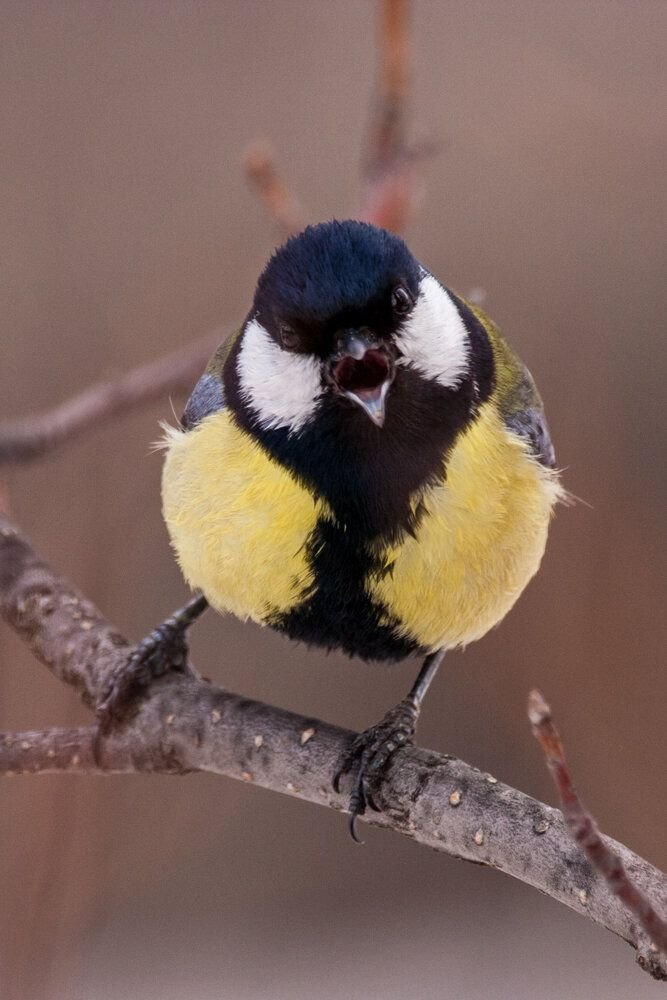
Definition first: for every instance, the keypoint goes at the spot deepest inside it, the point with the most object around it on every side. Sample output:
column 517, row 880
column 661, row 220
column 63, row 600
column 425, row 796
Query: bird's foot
column 369, row 755
column 165, row 649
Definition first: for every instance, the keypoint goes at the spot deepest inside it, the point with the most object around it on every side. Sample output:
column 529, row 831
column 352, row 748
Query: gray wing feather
column 523, row 413
column 531, row 425
column 207, row 397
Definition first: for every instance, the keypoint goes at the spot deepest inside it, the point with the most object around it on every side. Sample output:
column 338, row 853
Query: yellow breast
column 237, row 520
column 480, row 539
column 240, row 524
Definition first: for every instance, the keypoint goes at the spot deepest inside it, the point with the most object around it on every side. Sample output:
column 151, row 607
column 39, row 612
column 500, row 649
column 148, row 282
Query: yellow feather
column 480, row 539
column 237, row 520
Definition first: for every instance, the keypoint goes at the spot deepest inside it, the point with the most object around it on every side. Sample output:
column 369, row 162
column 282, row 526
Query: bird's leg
column 370, row 752
column 164, row 649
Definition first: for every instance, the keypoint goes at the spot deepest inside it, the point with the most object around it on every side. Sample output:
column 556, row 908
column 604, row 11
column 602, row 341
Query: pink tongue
column 364, row 377
column 369, row 394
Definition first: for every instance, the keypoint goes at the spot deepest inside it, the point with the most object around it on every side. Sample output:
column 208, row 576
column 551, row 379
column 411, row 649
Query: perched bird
column 365, row 466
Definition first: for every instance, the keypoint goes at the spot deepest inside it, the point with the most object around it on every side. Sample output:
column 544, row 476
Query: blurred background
column 127, row 228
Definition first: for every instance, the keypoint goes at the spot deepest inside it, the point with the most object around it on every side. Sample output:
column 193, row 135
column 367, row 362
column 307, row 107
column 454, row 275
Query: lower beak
column 363, row 370
column 372, row 401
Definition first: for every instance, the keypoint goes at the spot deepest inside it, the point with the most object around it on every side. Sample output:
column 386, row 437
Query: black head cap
column 332, row 270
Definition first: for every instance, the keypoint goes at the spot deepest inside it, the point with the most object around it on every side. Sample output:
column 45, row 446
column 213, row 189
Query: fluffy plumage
column 286, row 504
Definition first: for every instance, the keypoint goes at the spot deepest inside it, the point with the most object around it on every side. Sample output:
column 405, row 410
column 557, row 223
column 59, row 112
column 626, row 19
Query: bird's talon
column 371, row 802
column 357, row 807
column 163, row 650
column 370, row 754
column 352, row 827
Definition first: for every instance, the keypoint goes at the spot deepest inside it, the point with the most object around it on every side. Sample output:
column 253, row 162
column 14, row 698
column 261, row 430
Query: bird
column 365, row 466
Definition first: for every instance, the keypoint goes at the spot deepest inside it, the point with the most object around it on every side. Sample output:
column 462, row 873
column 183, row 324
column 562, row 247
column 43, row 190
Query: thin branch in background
column 584, row 830
column 284, row 209
column 392, row 163
column 394, row 194
column 5, row 502
column 387, row 132
column 35, row 436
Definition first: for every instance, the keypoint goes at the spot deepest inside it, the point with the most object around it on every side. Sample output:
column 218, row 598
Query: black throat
column 369, row 476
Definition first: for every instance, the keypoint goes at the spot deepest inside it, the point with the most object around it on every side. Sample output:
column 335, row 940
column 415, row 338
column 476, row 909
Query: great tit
column 365, row 466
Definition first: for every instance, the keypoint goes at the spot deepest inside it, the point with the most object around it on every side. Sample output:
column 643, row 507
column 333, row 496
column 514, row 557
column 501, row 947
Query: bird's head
column 339, row 312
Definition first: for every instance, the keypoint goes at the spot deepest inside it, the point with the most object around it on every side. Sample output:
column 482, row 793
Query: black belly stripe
column 337, row 612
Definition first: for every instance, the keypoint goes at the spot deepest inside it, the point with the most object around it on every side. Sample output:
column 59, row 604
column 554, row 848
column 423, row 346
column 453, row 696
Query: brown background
column 126, row 229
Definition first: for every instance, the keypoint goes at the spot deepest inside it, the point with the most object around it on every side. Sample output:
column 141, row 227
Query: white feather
column 434, row 339
column 170, row 435
column 282, row 388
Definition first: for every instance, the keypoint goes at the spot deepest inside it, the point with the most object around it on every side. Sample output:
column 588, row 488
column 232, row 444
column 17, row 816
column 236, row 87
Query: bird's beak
column 372, row 401
column 362, row 369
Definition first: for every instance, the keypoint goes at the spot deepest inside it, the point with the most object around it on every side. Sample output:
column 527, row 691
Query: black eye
column 401, row 300
column 288, row 337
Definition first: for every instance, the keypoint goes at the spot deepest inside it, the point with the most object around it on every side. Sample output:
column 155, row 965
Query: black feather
column 330, row 276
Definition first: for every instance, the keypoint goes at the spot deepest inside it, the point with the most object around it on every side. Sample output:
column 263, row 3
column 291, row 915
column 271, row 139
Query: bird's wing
column 529, row 422
column 517, row 396
column 208, row 396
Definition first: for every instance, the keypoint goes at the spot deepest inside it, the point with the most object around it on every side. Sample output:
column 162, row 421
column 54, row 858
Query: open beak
column 362, row 369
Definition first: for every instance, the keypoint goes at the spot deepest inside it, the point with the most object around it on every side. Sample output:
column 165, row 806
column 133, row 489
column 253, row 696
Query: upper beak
column 355, row 344
column 363, row 370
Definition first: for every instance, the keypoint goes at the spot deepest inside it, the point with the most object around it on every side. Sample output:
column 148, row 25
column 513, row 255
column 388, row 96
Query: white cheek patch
column 282, row 388
column 434, row 339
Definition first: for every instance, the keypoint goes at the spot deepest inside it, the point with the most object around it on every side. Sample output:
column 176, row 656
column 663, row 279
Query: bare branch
column 32, row 437
column 47, row 750
column 186, row 724
column 392, row 163
column 387, row 132
column 394, row 194
column 584, row 830
column 63, row 629
column 284, row 209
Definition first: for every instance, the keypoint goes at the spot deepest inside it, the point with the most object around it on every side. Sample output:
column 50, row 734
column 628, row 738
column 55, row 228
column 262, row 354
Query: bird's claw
column 163, row 650
column 369, row 755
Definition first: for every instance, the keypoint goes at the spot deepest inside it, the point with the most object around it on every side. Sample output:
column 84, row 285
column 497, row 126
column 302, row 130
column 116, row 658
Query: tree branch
column 32, row 437
column 584, row 830
column 391, row 163
column 47, row 750
column 387, row 133
column 186, row 724
column 284, row 209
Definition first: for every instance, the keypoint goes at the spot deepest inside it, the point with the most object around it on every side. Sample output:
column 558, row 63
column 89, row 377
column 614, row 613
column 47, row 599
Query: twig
column 387, row 133
column 284, row 209
column 32, row 437
column 393, row 195
column 584, row 830
column 391, row 164
column 186, row 724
